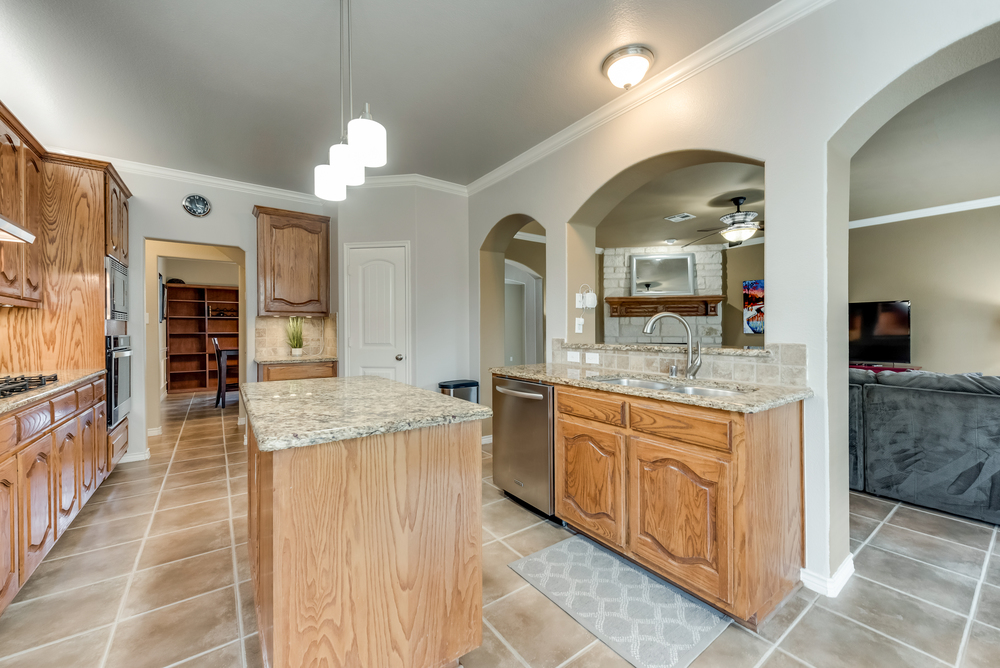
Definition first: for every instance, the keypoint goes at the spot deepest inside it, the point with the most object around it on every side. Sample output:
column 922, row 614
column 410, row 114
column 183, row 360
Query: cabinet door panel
column 67, row 462
column 123, row 229
column 112, row 224
column 297, row 371
column 117, row 444
column 293, row 266
column 32, row 191
column 10, row 181
column 680, row 515
column 101, row 440
column 590, row 479
column 11, row 261
column 9, row 582
column 88, row 455
column 36, row 482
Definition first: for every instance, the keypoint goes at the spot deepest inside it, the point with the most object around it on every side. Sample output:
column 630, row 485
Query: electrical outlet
column 573, row 356
column 579, row 300
column 579, row 325
column 593, row 358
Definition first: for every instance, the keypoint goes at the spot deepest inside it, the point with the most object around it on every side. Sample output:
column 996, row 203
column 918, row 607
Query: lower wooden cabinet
column 9, row 574
column 296, row 370
column 590, row 479
column 89, row 446
column 100, row 440
column 66, row 462
column 36, row 482
column 117, row 443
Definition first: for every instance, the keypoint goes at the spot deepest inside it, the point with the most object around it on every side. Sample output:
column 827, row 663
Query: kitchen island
column 365, row 522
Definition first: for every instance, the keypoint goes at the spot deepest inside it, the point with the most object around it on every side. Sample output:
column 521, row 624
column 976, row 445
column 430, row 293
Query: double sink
column 668, row 387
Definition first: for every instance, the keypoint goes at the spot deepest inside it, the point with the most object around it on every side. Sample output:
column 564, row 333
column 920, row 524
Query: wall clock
column 197, row 205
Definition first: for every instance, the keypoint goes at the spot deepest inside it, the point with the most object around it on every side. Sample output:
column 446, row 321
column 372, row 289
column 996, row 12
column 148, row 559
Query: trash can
column 461, row 389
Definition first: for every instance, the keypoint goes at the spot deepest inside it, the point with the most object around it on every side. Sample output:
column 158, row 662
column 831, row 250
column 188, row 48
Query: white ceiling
column 246, row 89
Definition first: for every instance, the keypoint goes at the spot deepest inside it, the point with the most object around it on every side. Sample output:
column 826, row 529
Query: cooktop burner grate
column 16, row 384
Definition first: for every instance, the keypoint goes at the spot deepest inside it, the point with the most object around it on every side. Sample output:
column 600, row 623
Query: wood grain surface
column 296, row 371
column 9, row 574
column 293, row 263
column 36, row 492
column 66, row 460
column 600, row 406
column 688, row 424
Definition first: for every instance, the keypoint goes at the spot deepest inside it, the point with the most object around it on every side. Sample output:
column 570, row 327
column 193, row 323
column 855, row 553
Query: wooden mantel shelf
column 686, row 305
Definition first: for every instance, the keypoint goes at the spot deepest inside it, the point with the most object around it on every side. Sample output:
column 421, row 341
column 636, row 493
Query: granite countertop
column 296, row 413
column 288, row 359
column 66, row 378
column 757, row 398
column 666, row 349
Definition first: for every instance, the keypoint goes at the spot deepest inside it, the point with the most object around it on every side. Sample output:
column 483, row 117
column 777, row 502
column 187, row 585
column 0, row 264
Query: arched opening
column 511, row 280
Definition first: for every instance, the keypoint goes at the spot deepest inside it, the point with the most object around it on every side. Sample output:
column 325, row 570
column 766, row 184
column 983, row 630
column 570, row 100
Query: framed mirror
column 663, row 274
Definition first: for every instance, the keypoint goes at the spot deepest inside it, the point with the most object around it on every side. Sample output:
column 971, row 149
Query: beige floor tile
column 488, row 448
column 184, row 544
column 174, row 633
column 79, row 570
column 30, row 624
column 988, row 611
column 958, row 558
column 491, row 493
column 983, row 648
column 186, row 517
column 856, row 546
column 505, row 517
column 119, row 476
column 97, row 536
column 993, row 572
column 928, row 628
column 84, row 651
column 253, row 652
column 238, row 471
column 194, row 478
column 782, row 660
column 237, row 457
column 734, row 648
column 930, row 583
column 943, row 527
column 537, row 537
column 242, row 562
column 239, row 502
column 228, row 656
column 156, row 587
column 198, row 453
column 862, row 527
column 247, row 610
column 183, row 496
column 498, row 579
column 491, row 654
column 185, row 443
column 188, row 465
column 537, row 628
column 826, row 640
column 240, row 530
column 599, row 656
column 870, row 507
column 114, row 510
column 782, row 618
column 488, row 466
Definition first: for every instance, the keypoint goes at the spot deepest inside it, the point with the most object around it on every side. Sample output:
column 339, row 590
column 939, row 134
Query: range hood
column 11, row 232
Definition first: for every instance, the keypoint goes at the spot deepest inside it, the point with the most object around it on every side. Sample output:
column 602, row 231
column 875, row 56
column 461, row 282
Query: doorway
column 524, row 339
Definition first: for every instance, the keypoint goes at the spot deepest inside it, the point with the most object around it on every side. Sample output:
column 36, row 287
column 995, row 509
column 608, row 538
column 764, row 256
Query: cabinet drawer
column 8, row 435
column 298, row 371
column 118, row 442
column 99, row 389
column 685, row 424
column 63, row 406
column 85, row 396
column 33, row 421
column 592, row 406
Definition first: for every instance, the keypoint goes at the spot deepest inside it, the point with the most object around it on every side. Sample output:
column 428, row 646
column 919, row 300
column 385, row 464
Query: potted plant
column 294, row 332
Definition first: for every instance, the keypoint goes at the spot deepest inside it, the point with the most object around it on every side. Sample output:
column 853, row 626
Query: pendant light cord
column 340, row 61
column 350, row 62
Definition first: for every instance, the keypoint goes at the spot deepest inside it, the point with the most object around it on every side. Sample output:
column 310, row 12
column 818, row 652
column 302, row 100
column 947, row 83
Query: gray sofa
column 928, row 439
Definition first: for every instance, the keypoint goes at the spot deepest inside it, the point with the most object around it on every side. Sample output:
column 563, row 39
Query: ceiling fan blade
column 697, row 240
column 712, row 229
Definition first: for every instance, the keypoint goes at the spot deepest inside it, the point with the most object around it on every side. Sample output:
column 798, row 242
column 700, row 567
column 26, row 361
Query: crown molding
column 971, row 205
column 416, row 180
column 769, row 21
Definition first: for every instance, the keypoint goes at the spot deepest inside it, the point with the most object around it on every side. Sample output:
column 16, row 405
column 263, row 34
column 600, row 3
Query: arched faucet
column 693, row 365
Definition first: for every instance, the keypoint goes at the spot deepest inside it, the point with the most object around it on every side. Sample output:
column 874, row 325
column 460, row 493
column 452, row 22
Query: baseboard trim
column 163, row 395
column 487, row 439
column 241, row 420
column 135, row 457
column 829, row 586
column 154, row 431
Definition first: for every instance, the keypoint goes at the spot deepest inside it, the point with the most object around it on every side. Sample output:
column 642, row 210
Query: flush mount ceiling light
column 628, row 65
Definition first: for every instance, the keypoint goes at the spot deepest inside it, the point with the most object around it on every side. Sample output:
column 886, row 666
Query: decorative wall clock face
column 197, row 205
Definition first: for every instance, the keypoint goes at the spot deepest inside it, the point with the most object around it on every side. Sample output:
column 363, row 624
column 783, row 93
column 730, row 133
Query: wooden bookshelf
column 196, row 314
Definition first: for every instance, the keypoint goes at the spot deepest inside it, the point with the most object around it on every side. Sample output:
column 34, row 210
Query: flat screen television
column 880, row 332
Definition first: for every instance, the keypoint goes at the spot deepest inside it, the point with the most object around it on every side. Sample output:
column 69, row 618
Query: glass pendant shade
column 368, row 138
column 346, row 162
column 328, row 186
column 739, row 232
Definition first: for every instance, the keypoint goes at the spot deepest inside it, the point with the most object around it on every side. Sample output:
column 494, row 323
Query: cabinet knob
column 399, row 358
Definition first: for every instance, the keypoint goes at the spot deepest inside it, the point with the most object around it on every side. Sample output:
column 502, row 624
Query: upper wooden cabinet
column 116, row 219
column 293, row 263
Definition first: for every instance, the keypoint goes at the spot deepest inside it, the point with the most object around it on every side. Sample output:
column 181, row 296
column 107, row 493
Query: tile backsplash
column 777, row 364
column 319, row 335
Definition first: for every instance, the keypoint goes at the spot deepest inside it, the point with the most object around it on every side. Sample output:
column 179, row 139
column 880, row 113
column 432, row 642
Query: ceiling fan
column 739, row 225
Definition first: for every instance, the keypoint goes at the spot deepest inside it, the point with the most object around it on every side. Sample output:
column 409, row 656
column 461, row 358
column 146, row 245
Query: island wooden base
column 368, row 552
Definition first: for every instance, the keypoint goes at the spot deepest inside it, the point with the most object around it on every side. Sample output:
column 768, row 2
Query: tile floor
column 154, row 574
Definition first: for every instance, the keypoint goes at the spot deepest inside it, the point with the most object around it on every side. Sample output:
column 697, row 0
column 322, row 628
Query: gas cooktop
column 16, row 384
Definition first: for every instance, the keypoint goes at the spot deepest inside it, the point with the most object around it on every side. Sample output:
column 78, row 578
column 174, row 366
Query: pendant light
column 369, row 138
column 328, row 186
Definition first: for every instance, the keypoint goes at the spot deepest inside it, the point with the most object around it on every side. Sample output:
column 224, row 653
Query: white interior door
column 377, row 293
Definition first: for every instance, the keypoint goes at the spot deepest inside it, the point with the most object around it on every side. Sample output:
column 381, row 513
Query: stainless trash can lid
column 455, row 384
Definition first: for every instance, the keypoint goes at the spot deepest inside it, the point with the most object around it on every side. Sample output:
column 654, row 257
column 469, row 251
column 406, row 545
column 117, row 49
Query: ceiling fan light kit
column 363, row 142
column 626, row 67
column 740, row 225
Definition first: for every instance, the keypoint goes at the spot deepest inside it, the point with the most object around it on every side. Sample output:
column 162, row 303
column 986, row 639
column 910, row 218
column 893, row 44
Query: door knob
column 399, row 358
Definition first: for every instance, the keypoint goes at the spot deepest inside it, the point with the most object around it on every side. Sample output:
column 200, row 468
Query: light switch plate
column 579, row 300
column 593, row 358
column 573, row 356
column 579, row 325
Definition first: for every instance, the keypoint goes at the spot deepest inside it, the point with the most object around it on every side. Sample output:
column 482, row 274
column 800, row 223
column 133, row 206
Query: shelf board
column 686, row 305
column 178, row 373
column 185, row 317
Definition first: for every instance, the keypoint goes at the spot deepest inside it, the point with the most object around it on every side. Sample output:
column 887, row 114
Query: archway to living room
column 911, row 228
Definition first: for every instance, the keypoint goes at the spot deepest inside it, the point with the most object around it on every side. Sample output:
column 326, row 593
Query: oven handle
column 122, row 353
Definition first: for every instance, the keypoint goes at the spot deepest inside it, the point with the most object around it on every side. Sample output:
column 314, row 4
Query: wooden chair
column 222, row 371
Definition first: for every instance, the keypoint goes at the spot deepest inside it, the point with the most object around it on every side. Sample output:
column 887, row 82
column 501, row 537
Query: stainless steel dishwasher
column 523, row 441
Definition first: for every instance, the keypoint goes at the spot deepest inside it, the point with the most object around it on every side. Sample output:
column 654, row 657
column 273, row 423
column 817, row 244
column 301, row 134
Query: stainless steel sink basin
column 667, row 387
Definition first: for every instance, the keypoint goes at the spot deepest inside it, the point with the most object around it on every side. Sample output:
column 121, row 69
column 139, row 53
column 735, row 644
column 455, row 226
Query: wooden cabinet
column 116, row 219
column 36, row 482
column 709, row 499
column 9, row 543
column 590, row 479
column 32, row 186
column 117, row 444
column 195, row 315
column 66, row 461
column 89, row 446
column 101, row 440
column 293, row 263
column 21, row 203
column 10, row 177
column 296, row 371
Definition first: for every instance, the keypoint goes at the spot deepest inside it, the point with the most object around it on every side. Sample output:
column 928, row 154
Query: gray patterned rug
column 650, row 623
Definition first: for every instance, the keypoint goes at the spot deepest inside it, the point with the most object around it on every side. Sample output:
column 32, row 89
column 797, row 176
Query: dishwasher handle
column 523, row 395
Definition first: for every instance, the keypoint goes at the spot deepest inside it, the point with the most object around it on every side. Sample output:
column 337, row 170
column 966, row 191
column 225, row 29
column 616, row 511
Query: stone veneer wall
column 777, row 364
column 319, row 335
column 617, row 283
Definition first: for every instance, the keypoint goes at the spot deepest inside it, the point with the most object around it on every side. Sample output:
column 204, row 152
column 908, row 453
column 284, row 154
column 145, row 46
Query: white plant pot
column 296, row 352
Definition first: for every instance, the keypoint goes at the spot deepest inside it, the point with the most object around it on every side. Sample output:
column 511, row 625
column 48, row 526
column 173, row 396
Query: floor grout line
column 774, row 645
column 580, row 653
column 145, row 536
column 963, row 646
column 919, row 561
column 506, row 643
column 909, row 595
column 507, row 595
column 929, row 535
column 53, row 642
column 883, row 634
column 881, row 524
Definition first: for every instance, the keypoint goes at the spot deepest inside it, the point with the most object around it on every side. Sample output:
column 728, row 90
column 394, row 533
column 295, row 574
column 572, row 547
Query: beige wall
column 743, row 263
column 201, row 272
column 528, row 253
column 947, row 267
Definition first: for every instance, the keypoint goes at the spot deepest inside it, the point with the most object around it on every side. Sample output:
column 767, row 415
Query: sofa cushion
column 860, row 377
column 941, row 381
column 856, row 437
